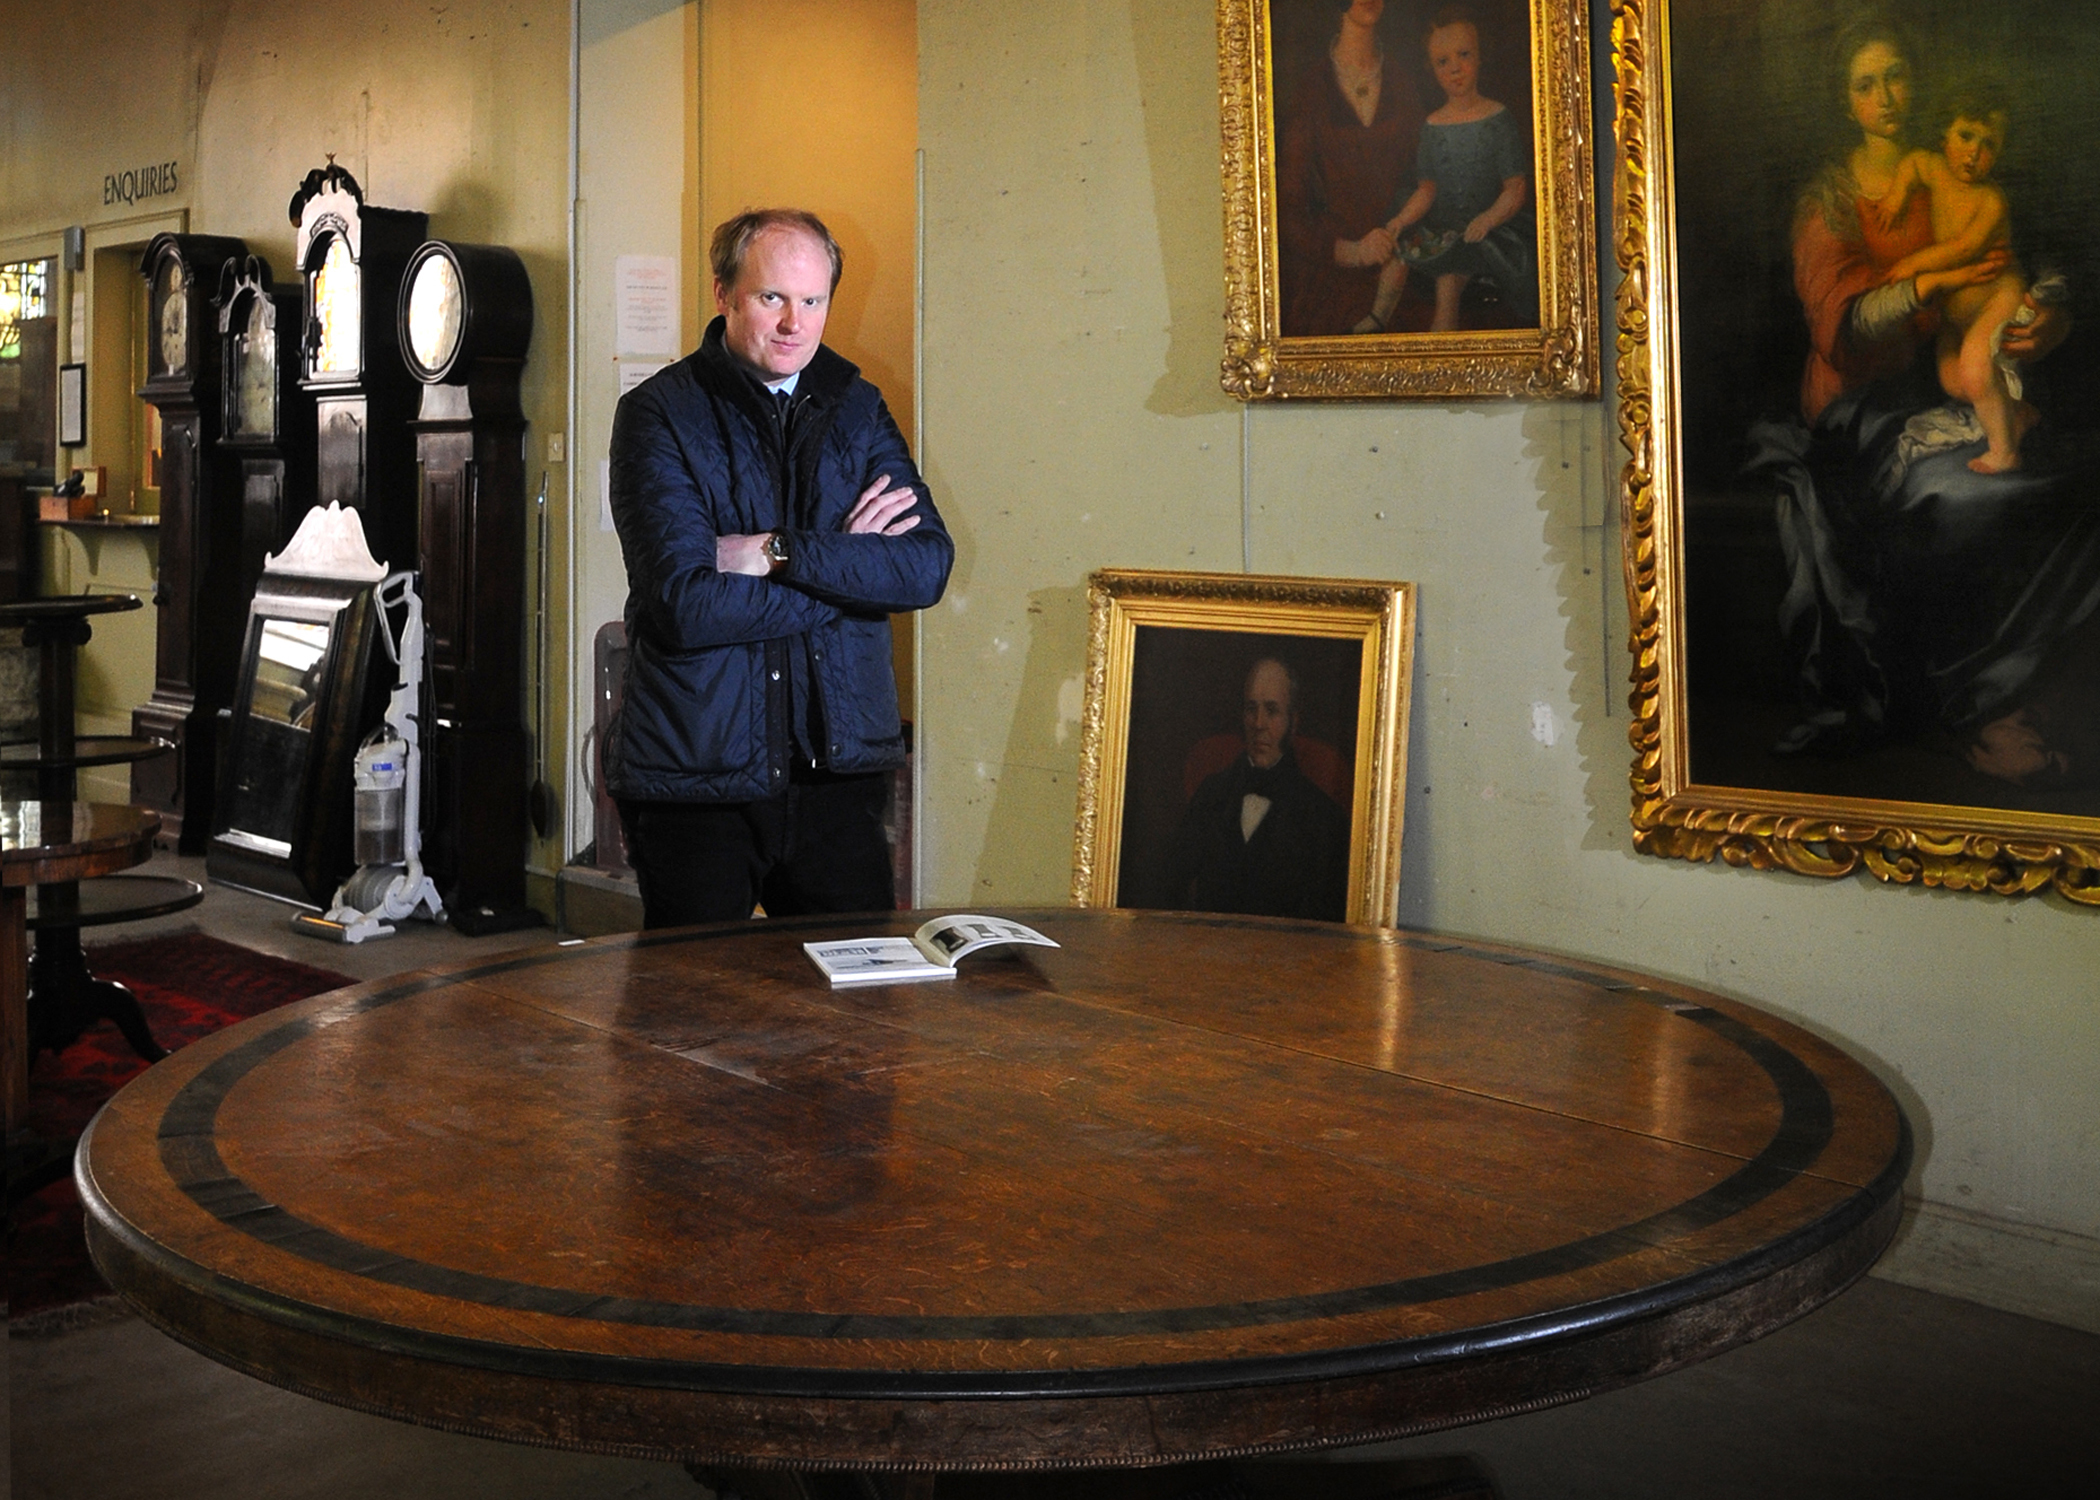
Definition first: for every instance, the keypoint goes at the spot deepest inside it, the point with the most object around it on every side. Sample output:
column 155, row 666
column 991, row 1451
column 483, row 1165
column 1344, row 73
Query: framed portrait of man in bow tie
column 1245, row 745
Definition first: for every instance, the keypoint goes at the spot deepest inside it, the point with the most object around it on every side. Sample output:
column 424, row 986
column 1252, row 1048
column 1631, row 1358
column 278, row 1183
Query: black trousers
column 817, row 847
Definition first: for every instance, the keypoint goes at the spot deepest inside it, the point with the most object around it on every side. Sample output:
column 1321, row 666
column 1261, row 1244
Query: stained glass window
column 25, row 293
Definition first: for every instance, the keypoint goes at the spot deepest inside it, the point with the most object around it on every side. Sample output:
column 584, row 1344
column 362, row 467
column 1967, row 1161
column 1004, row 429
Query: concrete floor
column 1887, row 1391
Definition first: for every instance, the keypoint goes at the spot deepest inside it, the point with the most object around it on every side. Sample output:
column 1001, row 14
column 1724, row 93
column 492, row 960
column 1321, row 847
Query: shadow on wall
column 1417, row 900
column 608, row 18
column 1177, row 65
column 1576, row 500
column 1034, row 784
column 467, row 211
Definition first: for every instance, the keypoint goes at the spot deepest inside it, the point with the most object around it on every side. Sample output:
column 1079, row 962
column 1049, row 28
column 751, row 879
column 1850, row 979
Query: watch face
column 255, row 375
column 174, row 316
column 336, row 310
column 434, row 313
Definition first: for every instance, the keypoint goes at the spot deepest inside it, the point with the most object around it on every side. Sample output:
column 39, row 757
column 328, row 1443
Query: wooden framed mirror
column 305, row 695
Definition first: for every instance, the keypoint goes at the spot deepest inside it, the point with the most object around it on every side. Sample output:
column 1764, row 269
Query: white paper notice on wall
column 645, row 305
column 634, row 372
column 605, row 494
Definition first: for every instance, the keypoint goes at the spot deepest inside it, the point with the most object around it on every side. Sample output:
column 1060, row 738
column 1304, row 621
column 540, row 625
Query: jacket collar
column 824, row 379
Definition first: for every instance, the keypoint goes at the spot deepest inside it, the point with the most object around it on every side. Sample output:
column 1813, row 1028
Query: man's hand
column 877, row 510
column 879, row 507
column 743, row 554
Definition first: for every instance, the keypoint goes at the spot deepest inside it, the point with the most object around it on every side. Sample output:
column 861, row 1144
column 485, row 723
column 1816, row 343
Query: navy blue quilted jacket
column 697, row 453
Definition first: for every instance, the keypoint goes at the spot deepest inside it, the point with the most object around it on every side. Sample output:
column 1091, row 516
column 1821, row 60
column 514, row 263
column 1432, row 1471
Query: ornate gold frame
column 1381, row 615
column 1962, row 848
column 1557, row 359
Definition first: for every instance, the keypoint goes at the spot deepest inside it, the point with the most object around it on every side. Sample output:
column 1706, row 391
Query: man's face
column 774, row 315
column 1265, row 713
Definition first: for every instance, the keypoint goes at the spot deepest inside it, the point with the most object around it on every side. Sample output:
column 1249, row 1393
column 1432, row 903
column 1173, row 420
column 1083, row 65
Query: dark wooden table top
column 66, row 607
column 1185, row 1187
column 43, row 843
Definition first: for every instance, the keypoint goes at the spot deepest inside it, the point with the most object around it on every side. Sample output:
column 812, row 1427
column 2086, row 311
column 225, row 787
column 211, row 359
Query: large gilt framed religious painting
column 1859, row 378
column 1244, row 745
column 1409, row 208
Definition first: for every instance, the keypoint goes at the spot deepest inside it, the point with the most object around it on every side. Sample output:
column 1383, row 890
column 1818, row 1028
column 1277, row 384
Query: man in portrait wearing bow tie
column 1258, row 836
column 772, row 521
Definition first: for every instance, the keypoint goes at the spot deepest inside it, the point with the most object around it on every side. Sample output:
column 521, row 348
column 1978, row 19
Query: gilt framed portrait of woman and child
column 1409, row 205
column 1861, row 390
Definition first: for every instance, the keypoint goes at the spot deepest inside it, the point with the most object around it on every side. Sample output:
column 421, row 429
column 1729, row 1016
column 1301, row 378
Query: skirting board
column 2043, row 1273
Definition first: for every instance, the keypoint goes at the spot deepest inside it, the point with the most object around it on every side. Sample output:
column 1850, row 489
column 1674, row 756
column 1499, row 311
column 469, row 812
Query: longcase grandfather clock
column 197, row 649
column 267, row 430
column 351, row 256
column 465, row 323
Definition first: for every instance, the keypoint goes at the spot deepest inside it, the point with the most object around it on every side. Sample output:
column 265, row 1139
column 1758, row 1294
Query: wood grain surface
column 1185, row 1187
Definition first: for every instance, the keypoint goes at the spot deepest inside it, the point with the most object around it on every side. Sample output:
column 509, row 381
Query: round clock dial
column 336, row 309
column 435, row 315
column 255, row 391
column 174, row 317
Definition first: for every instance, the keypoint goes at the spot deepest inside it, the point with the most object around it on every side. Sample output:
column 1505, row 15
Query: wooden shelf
column 112, row 898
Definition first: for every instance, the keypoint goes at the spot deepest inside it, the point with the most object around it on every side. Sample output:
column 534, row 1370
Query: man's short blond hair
column 733, row 237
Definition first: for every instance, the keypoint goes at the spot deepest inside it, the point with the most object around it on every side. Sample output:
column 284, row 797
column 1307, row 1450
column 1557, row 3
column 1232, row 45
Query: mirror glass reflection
column 275, row 739
column 291, row 656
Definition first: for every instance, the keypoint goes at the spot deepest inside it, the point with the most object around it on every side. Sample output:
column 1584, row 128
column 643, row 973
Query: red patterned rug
column 189, row 985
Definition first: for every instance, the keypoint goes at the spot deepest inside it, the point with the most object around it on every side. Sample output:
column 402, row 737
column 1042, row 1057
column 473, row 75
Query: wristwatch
column 776, row 549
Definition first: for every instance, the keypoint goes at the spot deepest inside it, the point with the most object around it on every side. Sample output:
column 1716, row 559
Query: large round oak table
column 1186, row 1187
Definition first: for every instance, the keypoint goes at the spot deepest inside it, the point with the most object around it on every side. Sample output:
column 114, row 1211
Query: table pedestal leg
column 14, row 998
column 65, row 999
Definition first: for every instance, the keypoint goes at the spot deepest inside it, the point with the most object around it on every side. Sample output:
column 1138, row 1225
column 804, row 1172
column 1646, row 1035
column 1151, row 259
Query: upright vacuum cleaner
column 389, row 885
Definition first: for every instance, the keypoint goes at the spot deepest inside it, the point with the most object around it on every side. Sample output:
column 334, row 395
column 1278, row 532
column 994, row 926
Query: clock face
column 174, row 317
column 435, row 314
column 255, row 378
column 337, row 310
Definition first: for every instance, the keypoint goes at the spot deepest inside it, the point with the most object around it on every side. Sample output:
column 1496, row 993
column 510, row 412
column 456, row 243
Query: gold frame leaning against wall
column 1241, row 731
column 1360, row 262
column 1863, row 571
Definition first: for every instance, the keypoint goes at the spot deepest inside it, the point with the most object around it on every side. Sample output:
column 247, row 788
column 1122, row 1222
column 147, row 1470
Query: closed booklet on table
column 930, row 953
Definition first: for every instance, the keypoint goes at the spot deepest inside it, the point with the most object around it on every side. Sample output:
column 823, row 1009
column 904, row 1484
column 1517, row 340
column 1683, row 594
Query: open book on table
column 930, row 953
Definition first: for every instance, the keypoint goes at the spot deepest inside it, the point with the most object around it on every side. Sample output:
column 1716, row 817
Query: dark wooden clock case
column 366, row 457
column 470, row 446
column 276, row 468
column 198, row 597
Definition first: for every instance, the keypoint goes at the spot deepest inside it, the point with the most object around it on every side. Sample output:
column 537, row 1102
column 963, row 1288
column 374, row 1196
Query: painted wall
column 459, row 110
column 637, row 194
column 1072, row 327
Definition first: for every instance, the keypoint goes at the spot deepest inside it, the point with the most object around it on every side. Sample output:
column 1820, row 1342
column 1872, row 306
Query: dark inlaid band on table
column 1843, row 1236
